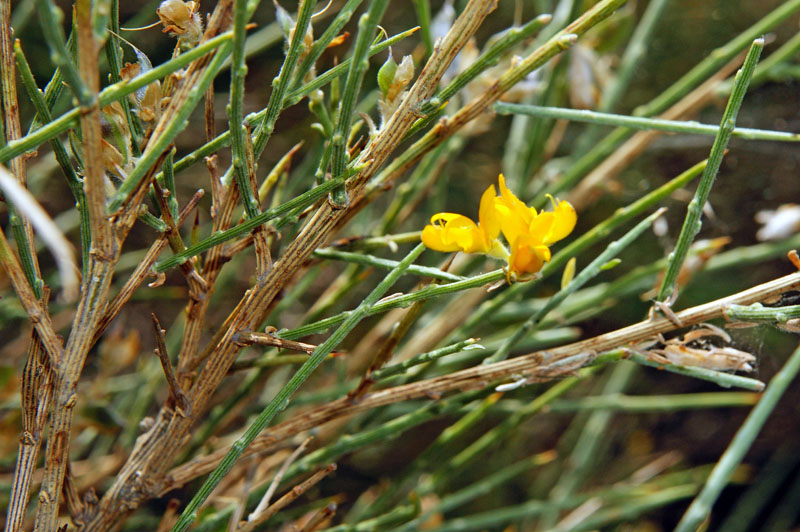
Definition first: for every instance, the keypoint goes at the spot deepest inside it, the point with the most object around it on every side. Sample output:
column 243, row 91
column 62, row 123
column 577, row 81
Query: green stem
column 60, row 152
column 397, row 302
column 282, row 398
column 114, row 55
column 157, row 146
column 423, row 10
column 656, row 403
column 634, row 122
column 703, row 70
column 235, row 110
column 691, row 224
column 280, row 84
column 293, row 97
column 436, row 354
column 733, row 455
column 51, row 18
column 320, row 45
column 758, row 312
column 369, row 260
column 367, row 25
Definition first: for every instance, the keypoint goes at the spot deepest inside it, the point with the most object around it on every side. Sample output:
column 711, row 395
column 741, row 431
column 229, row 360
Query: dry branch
column 536, row 366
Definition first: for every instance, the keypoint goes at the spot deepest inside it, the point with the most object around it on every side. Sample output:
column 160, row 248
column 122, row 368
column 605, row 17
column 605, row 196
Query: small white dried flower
column 778, row 224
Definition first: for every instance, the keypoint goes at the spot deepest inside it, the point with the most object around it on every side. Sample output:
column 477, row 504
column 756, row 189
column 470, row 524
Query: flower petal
column 433, row 238
column 527, row 256
column 488, row 218
column 457, row 233
column 564, row 219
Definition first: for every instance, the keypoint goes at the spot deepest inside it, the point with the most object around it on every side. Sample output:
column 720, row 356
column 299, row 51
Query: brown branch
column 176, row 394
column 320, row 519
column 197, row 285
column 288, row 498
column 38, row 315
column 534, row 366
column 103, row 256
column 37, row 385
column 268, row 339
column 142, row 270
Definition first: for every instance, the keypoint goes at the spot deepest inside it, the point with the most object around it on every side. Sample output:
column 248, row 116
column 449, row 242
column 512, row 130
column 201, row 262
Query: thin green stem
column 235, row 107
column 712, row 63
column 387, row 264
column 320, row 45
column 691, row 224
column 433, row 107
column 423, row 11
column 758, row 312
column 635, row 122
column 367, row 25
column 282, row 398
column 293, row 97
column 720, row 378
column 157, row 146
column 656, row 403
column 280, row 85
column 436, row 354
column 733, row 455
column 114, row 55
column 51, row 18
column 397, row 302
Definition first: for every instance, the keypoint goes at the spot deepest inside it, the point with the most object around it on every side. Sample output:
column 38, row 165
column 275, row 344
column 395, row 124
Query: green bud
column 386, row 75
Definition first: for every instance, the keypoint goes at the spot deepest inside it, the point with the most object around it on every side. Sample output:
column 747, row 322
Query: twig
column 287, row 499
column 177, row 395
column 198, row 77
column 273, row 486
column 637, row 122
column 283, row 396
column 319, row 519
column 527, row 365
column 37, row 385
column 235, row 109
column 266, row 338
column 367, row 25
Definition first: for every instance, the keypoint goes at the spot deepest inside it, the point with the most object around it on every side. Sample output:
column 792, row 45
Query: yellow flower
column 529, row 233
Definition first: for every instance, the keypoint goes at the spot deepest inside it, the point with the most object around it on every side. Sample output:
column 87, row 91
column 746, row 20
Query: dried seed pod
column 181, row 20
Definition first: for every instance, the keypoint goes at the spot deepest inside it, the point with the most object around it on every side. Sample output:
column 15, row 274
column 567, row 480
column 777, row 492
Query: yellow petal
column 487, row 215
column 527, row 256
column 457, row 233
column 433, row 238
column 564, row 219
column 516, row 205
